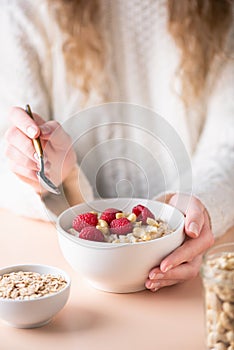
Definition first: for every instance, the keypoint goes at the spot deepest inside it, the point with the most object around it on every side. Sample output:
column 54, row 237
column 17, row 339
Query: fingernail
column 152, row 275
column 149, row 284
column 31, row 131
column 154, row 290
column 36, row 156
column 167, row 268
column 156, row 276
column 194, row 228
column 154, row 285
column 45, row 129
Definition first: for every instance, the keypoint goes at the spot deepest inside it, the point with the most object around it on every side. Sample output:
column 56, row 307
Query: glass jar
column 218, row 281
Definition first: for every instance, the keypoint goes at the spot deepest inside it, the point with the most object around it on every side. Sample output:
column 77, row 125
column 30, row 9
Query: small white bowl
column 34, row 312
column 119, row 268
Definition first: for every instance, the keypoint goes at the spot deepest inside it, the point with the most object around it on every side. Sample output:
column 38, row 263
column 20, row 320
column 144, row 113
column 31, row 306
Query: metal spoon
column 44, row 181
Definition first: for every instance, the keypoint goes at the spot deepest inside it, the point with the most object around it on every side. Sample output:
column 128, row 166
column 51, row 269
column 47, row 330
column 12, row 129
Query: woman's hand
column 184, row 262
column 59, row 155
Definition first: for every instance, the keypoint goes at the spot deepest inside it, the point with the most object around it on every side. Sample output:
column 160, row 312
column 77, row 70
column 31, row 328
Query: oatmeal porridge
column 115, row 226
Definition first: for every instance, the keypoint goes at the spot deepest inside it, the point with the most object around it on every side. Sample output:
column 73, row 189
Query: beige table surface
column 172, row 318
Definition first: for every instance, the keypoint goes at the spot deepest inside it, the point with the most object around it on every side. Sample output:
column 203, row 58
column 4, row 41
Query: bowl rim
column 107, row 245
column 18, row 266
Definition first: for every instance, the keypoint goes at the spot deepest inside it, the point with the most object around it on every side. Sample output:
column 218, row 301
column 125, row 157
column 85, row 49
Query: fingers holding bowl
column 178, row 274
column 184, row 262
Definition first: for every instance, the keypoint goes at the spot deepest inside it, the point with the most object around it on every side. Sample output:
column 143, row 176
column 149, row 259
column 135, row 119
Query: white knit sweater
column 119, row 159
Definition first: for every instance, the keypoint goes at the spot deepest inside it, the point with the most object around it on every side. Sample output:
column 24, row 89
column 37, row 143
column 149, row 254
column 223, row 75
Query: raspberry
column 91, row 233
column 109, row 214
column 142, row 213
column 121, row 226
column 138, row 209
column 145, row 214
column 84, row 220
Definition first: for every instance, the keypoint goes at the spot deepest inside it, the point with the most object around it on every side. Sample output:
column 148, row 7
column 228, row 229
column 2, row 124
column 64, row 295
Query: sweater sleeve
column 21, row 82
column 213, row 161
column 24, row 78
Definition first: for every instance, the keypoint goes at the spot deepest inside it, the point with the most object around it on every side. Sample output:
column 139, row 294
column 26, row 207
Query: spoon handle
column 36, row 141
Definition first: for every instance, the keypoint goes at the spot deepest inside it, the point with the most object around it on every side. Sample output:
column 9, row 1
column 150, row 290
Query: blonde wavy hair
column 199, row 28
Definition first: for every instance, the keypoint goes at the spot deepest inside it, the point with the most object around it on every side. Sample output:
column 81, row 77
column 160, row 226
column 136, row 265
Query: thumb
column 25, row 123
column 193, row 211
column 194, row 220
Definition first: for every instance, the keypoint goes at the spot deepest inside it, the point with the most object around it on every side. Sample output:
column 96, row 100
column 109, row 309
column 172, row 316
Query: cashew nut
column 228, row 308
column 213, row 302
column 215, row 337
column 230, row 336
column 220, row 328
column 226, row 321
column 220, row 346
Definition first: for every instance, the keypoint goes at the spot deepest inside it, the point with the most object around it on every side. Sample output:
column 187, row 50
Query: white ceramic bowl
column 119, row 268
column 35, row 312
